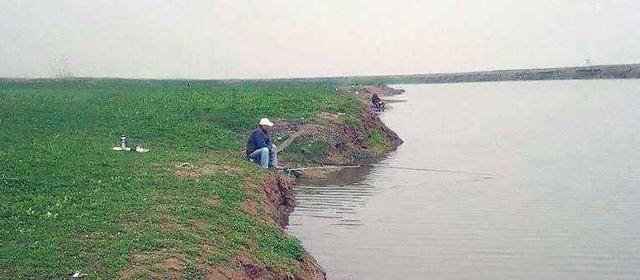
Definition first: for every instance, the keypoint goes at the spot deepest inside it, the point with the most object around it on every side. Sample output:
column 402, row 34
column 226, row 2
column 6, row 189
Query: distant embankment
column 626, row 71
column 620, row 71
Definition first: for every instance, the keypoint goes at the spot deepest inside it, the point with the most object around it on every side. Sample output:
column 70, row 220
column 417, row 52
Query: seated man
column 376, row 101
column 259, row 146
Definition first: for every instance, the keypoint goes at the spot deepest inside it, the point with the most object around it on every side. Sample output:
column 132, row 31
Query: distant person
column 259, row 146
column 376, row 101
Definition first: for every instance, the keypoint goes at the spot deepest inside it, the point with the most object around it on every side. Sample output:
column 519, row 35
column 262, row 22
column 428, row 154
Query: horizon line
column 314, row 77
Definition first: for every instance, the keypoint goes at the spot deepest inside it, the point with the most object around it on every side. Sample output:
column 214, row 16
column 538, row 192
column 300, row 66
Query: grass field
column 70, row 203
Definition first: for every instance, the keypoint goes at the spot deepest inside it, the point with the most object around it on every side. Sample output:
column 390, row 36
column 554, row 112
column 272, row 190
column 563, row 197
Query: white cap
column 265, row 121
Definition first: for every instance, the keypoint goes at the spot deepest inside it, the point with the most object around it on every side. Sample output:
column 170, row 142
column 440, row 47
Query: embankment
column 325, row 140
column 334, row 140
column 191, row 208
column 626, row 71
column 615, row 71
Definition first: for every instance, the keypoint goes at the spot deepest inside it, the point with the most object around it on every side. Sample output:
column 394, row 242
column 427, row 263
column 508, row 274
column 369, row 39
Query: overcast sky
column 301, row 38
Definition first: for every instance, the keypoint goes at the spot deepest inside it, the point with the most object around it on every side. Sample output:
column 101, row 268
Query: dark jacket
column 258, row 139
column 375, row 99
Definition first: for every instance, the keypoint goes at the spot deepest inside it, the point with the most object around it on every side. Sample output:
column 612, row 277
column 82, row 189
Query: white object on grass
column 78, row 275
column 141, row 149
column 136, row 149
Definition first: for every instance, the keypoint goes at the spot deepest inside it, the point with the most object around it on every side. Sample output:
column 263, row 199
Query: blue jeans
column 268, row 158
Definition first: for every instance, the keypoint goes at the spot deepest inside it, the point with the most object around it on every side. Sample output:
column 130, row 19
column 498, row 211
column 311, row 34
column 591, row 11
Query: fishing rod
column 320, row 167
column 395, row 167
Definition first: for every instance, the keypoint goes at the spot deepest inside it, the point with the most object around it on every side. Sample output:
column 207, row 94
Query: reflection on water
column 520, row 180
column 334, row 198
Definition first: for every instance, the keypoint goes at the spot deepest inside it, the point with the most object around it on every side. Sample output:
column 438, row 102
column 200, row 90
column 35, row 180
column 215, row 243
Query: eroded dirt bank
column 345, row 143
column 278, row 202
column 326, row 140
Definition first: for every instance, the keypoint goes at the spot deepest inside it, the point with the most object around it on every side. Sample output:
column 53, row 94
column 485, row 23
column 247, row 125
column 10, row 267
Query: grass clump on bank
column 376, row 142
column 71, row 204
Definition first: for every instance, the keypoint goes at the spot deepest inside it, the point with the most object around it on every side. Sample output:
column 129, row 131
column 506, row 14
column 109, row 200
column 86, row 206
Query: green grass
column 69, row 203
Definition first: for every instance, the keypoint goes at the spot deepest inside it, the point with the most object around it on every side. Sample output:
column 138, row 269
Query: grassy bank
column 70, row 203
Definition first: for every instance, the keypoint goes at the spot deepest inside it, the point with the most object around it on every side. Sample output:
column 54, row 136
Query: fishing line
column 397, row 167
column 442, row 170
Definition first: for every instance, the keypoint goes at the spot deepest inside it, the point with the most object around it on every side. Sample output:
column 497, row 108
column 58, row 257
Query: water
column 561, row 199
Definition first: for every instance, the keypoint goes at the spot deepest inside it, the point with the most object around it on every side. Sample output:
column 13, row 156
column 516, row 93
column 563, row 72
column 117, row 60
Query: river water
column 523, row 180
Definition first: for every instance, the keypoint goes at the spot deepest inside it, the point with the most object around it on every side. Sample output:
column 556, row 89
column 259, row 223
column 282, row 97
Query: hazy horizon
column 282, row 39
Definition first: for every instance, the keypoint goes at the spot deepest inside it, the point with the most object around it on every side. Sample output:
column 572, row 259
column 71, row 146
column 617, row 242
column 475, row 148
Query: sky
column 207, row 39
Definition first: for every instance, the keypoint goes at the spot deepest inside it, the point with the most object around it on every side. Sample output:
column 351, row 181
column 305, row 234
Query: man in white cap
column 259, row 146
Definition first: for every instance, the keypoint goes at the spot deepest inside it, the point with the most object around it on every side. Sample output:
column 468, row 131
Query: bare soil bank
column 326, row 140
column 278, row 200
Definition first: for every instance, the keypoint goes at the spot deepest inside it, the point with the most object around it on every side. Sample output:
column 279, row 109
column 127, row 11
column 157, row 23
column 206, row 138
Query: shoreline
column 285, row 202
